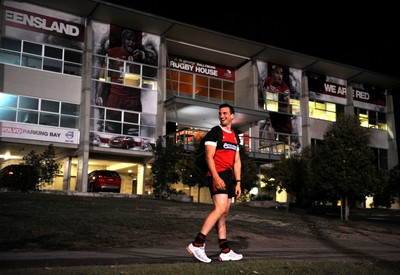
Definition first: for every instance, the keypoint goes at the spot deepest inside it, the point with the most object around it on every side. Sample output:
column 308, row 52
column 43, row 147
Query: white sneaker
column 230, row 256
column 198, row 252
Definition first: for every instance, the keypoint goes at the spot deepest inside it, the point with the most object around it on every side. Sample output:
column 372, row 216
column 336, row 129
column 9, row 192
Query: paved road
column 382, row 246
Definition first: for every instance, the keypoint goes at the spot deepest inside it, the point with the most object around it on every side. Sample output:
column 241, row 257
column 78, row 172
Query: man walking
column 223, row 179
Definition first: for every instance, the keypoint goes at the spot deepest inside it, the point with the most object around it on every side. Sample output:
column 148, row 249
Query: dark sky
column 364, row 37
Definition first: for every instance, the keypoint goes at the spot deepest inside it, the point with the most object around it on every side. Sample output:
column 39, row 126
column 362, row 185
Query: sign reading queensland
column 43, row 25
column 35, row 132
column 202, row 68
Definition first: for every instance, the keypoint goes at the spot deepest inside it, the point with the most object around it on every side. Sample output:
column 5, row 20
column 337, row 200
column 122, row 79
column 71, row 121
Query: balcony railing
column 259, row 148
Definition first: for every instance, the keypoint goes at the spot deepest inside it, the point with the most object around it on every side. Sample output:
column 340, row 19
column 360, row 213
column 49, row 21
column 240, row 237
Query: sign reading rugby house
column 201, row 68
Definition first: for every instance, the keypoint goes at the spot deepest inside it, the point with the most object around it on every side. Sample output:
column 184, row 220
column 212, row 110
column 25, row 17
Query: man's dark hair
column 127, row 33
column 223, row 105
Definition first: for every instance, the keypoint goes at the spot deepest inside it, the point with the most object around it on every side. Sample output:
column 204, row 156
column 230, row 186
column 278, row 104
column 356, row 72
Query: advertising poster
column 279, row 93
column 35, row 132
column 45, row 26
column 327, row 89
column 124, row 88
column 369, row 97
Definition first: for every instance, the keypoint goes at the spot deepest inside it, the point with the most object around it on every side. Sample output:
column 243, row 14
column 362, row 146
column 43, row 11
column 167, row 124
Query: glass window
column 132, row 68
column 33, row 48
column 331, row 107
column 9, row 57
column 28, row 103
column 8, row 114
column 216, row 83
column 10, row 44
column 69, row 109
column 72, row 69
column 201, row 80
column 131, row 129
column 49, row 119
column 73, row 56
column 50, row 106
column 381, row 117
column 228, row 96
column 215, row 94
column 229, row 86
column 149, row 84
column 174, row 75
column 149, row 71
column 69, row 122
column 202, row 91
column 205, row 88
column 131, row 117
column 53, row 52
column 31, row 61
column 52, row 65
column 113, row 127
column 8, row 100
column 28, row 116
column 185, row 88
column 188, row 78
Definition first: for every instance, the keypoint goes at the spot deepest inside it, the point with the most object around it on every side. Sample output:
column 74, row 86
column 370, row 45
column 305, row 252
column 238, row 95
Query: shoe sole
column 190, row 251
column 221, row 260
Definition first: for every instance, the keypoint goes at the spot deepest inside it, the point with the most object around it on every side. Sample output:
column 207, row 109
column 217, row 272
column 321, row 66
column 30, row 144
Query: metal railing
column 259, row 148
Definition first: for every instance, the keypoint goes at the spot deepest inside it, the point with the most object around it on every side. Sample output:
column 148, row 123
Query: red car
column 104, row 180
column 122, row 142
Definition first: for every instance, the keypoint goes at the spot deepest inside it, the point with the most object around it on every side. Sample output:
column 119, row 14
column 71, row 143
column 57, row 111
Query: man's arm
column 237, row 171
column 210, row 152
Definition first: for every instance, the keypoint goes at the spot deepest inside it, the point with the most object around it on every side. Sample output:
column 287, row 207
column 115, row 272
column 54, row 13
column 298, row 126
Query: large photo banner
column 124, row 86
column 279, row 90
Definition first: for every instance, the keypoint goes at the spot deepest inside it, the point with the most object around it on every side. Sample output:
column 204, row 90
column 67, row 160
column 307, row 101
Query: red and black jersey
column 225, row 152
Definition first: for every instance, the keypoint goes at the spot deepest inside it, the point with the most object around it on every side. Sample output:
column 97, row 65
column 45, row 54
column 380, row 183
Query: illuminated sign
column 38, row 132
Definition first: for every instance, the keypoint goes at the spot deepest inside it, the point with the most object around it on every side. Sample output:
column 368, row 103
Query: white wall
column 42, row 84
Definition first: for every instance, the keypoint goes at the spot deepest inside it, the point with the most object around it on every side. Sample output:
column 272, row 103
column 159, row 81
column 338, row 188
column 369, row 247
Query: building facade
column 102, row 82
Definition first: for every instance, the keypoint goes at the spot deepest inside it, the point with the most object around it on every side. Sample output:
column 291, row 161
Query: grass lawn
column 46, row 222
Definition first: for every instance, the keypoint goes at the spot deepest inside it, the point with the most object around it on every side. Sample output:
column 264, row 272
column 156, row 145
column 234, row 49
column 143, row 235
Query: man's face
column 277, row 76
column 129, row 43
column 225, row 116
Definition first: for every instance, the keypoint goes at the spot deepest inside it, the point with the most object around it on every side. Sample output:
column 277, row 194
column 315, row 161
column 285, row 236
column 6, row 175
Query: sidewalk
column 382, row 247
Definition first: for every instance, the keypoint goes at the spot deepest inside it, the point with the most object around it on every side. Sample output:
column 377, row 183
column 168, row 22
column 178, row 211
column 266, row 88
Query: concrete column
column 305, row 118
column 349, row 108
column 392, row 140
column 84, row 123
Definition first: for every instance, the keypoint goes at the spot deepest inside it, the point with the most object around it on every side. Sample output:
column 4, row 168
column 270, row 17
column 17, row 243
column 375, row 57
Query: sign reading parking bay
column 36, row 132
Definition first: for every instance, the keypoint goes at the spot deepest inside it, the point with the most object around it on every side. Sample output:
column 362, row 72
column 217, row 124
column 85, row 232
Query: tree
column 250, row 171
column 164, row 168
column 394, row 181
column 44, row 165
column 190, row 174
column 345, row 164
column 288, row 175
column 391, row 191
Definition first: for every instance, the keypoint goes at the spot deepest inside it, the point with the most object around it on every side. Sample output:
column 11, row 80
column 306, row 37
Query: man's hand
column 219, row 183
column 99, row 101
column 139, row 55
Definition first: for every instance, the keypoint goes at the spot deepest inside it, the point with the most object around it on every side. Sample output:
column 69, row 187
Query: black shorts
column 230, row 185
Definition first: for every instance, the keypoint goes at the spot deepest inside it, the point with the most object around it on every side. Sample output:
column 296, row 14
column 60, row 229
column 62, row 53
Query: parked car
column 122, row 142
column 18, row 177
column 104, row 180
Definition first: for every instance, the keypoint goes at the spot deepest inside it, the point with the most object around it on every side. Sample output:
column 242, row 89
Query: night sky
column 365, row 37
